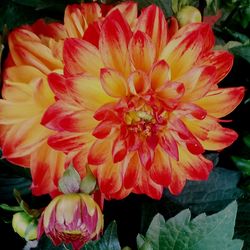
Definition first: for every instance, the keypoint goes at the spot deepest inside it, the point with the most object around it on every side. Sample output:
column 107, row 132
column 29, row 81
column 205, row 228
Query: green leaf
column 109, row 241
column 209, row 196
column 242, row 164
column 242, row 51
column 70, row 181
column 202, row 233
column 11, row 208
column 166, row 6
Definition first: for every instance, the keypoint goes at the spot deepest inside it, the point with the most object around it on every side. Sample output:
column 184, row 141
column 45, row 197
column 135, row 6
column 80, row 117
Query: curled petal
column 160, row 74
column 138, row 83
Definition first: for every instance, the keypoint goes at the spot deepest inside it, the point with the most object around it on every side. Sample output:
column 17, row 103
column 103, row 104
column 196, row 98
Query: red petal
column 119, row 150
column 169, row 144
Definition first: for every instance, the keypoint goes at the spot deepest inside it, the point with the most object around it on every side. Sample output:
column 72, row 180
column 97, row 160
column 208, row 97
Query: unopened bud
column 188, row 14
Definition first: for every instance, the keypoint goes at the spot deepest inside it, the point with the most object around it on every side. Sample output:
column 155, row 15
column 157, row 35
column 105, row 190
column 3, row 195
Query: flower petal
column 142, row 51
column 114, row 38
column 198, row 81
column 47, row 167
column 113, row 83
column 109, row 178
column 160, row 171
column 152, row 21
column 131, row 167
column 128, row 10
column 183, row 50
column 169, row 144
column 160, row 74
column 138, row 83
column 100, row 151
column 67, row 141
column 221, row 60
column 119, row 149
column 221, row 102
column 75, row 53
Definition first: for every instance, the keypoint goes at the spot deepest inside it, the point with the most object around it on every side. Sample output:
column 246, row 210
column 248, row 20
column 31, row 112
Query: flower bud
column 25, row 225
column 72, row 218
column 188, row 14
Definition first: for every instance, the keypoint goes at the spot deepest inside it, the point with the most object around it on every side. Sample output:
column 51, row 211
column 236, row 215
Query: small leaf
column 11, row 208
column 242, row 164
column 202, row 233
column 70, row 181
column 88, row 183
column 242, row 51
column 109, row 241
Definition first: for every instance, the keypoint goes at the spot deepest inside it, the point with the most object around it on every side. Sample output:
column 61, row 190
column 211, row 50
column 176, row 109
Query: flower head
column 36, row 51
column 71, row 218
column 141, row 104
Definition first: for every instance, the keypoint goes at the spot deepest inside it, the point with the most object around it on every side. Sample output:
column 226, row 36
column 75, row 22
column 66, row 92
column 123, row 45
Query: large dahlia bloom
column 36, row 51
column 140, row 103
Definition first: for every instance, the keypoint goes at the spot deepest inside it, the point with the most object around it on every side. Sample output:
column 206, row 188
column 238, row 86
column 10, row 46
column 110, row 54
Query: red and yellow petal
column 113, row 83
column 221, row 60
column 221, row 102
column 114, row 37
column 152, row 22
column 138, row 83
column 47, row 166
column 75, row 53
column 184, row 49
column 160, row 74
column 142, row 51
column 160, row 172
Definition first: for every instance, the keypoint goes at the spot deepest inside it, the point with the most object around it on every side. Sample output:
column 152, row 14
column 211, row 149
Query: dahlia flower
column 36, row 51
column 71, row 218
column 140, row 103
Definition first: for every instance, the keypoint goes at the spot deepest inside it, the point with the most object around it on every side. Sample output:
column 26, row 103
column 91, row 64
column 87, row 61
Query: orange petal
column 178, row 180
column 211, row 134
column 221, row 102
column 197, row 82
column 77, row 17
column 142, row 51
column 169, row 144
column 131, row 166
column 67, row 141
column 79, row 121
column 113, row 83
column 100, row 151
column 159, row 74
column 183, row 50
column 24, row 138
column 152, row 21
column 128, row 10
column 75, row 53
column 221, row 60
column 160, row 171
column 109, row 178
column 196, row 167
column 138, row 83
column 47, row 167
column 13, row 112
column 114, row 38
column 119, row 149
column 27, row 48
